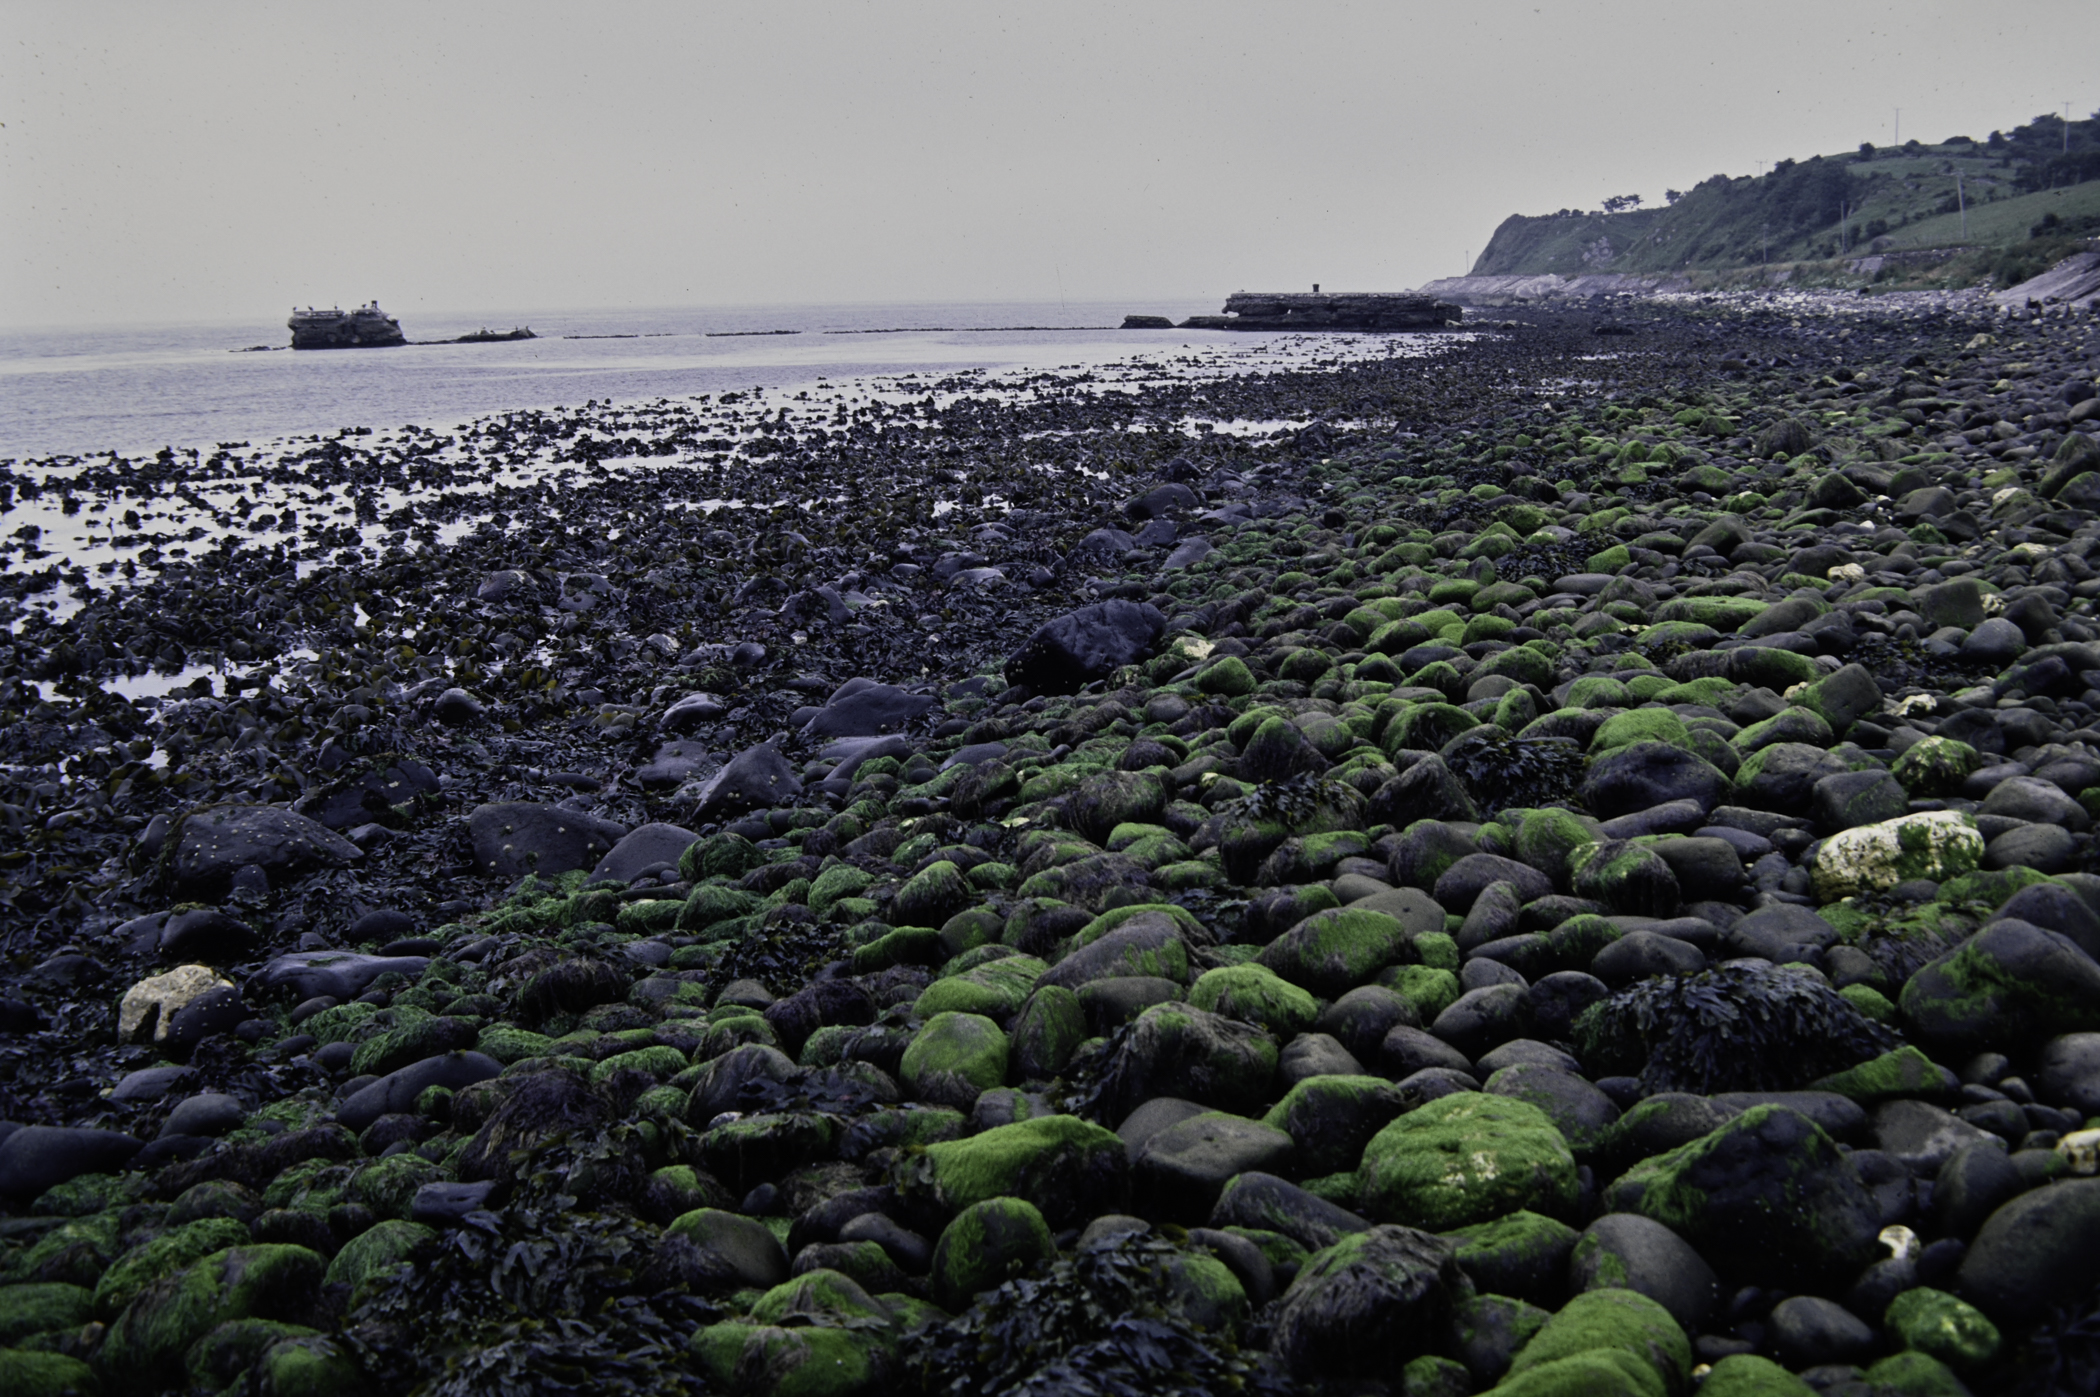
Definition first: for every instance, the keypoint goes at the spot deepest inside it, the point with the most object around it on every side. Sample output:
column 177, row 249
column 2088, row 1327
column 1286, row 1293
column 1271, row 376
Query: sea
column 140, row 388
column 106, row 399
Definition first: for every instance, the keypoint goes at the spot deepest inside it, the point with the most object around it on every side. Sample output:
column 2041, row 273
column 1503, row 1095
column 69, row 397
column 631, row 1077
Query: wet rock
column 39, row 1157
column 211, row 845
column 754, row 779
column 645, row 847
column 1368, row 1303
column 1072, row 650
column 514, row 838
column 865, row 708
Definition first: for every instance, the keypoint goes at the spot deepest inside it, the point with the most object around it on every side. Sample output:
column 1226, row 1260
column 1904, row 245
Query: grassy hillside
column 1835, row 209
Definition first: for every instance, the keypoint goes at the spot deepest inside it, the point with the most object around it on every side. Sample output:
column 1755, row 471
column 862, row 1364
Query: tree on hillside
column 1671, row 196
column 1866, row 150
column 1620, row 203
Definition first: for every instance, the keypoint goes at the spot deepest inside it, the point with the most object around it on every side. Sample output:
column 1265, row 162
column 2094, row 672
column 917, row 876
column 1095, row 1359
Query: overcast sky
column 190, row 161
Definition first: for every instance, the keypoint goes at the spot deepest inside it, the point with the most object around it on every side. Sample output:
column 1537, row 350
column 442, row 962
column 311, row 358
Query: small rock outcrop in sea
column 1584, row 882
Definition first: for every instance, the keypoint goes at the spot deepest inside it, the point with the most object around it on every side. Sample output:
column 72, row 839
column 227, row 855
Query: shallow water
column 142, row 388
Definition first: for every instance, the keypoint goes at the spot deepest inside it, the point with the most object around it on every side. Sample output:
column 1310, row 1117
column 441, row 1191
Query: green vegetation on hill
column 1946, row 214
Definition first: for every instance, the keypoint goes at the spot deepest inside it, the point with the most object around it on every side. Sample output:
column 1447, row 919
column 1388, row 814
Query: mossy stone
column 388, row 1185
column 841, row 880
column 1639, row 725
column 148, row 1340
column 1949, row 1329
column 314, row 1366
column 988, row 1244
column 1934, row 844
column 1070, row 1169
column 1748, row 1375
column 1466, row 1158
column 1430, row 989
column 722, row 855
column 1936, row 766
column 39, row 1307
column 225, row 1355
column 1257, row 995
column 1523, row 1253
column 659, row 1060
column 1914, row 1374
column 171, row 1251
column 996, row 989
column 1624, row 1321
column 33, row 1374
column 1331, row 1117
column 931, row 896
column 370, row 1257
column 805, row 1360
column 1900, row 1072
column 1048, row 1030
column 954, row 1058
column 1332, row 952
column 712, row 903
column 1225, row 677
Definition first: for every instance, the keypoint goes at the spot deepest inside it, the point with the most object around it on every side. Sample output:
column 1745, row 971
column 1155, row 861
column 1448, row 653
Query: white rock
column 148, row 1005
column 1935, row 844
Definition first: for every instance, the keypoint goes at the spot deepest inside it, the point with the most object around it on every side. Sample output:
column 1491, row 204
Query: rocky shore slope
column 1571, row 871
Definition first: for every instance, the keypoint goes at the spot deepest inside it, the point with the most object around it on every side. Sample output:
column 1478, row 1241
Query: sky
column 164, row 162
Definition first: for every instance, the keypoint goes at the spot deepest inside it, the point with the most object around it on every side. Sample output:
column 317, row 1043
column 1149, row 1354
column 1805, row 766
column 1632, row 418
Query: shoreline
column 1577, row 659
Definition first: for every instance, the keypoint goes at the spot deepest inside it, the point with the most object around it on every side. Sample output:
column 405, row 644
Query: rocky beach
column 1553, row 856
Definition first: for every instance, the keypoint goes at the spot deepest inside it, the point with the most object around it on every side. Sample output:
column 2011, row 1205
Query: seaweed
column 537, row 1296
column 1098, row 1321
column 782, row 956
column 2062, row 1356
column 1743, row 1027
column 1500, row 769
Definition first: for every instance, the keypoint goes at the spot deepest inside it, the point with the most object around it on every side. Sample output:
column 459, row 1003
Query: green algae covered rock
column 1914, row 1374
column 988, row 1244
column 1950, row 1330
column 1936, row 767
column 1524, row 1254
column 996, row 989
column 1257, row 995
column 1639, row 725
column 719, row 856
column 42, row 1306
column 315, row 1366
column 1900, row 1072
column 2010, row 985
column 1747, row 1375
column 1548, row 840
column 224, row 1355
column 1934, row 844
column 370, row 1257
column 151, row 1336
column 1179, row 1050
column 1430, row 989
column 818, row 1335
column 1048, row 1030
column 169, row 1252
column 1463, row 1159
column 1332, row 952
column 931, row 896
column 1332, row 1117
column 1069, row 1169
column 1766, row 1195
column 36, row 1374
column 1610, row 1321
column 1367, row 1303
column 954, row 1058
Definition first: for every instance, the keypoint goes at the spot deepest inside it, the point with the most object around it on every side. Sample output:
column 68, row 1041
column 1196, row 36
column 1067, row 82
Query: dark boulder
column 211, row 845
column 1070, row 651
column 514, row 838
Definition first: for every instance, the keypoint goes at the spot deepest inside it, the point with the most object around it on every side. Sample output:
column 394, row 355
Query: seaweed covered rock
column 1368, row 1303
column 1584, row 1347
column 1080, row 646
column 2013, row 983
column 1738, row 1027
column 1766, row 1197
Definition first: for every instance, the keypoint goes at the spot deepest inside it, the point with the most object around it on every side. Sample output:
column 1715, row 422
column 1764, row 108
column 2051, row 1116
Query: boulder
column 864, row 708
column 1464, row 1159
column 1368, row 1304
column 757, row 778
column 1070, row 651
column 514, row 838
column 207, row 847
column 646, row 846
column 1766, row 1197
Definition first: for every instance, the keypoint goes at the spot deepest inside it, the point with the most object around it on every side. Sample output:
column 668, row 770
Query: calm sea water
column 139, row 389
